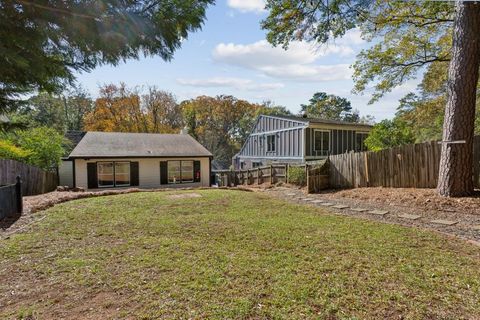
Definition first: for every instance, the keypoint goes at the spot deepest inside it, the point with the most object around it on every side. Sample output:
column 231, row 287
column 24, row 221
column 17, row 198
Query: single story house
column 291, row 139
column 146, row 160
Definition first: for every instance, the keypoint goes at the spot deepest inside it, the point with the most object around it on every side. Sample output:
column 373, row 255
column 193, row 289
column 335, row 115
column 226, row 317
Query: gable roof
column 74, row 137
column 137, row 145
column 317, row 120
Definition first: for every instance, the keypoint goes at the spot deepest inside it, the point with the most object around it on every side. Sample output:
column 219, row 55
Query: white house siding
column 149, row 171
column 65, row 173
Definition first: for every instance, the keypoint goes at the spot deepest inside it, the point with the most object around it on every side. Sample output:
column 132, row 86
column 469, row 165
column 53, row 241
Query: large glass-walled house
column 289, row 139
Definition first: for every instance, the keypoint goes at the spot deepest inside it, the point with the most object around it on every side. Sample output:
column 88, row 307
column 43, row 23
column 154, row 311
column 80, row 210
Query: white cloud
column 214, row 82
column 351, row 37
column 296, row 63
column 262, row 53
column 237, row 83
column 310, row 72
column 247, row 5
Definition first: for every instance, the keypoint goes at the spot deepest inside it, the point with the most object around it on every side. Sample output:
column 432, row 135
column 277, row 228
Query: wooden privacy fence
column 317, row 178
column 11, row 199
column 34, row 180
column 409, row 166
column 268, row 174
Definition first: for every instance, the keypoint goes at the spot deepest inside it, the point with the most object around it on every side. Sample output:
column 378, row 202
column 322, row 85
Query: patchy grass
column 230, row 254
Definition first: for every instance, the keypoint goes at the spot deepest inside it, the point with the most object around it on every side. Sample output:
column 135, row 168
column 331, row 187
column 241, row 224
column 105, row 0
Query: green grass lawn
column 230, row 254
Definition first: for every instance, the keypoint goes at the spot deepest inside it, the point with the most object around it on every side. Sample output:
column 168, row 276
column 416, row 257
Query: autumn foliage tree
column 120, row 109
column 222, row 123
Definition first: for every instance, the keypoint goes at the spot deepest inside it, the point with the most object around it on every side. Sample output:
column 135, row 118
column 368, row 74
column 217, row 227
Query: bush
column 45, row 145
column 9, row 151
column 42, row 147
column 296, row 175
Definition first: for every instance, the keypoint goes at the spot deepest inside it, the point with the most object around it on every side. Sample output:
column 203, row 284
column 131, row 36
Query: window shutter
column 134, row 177
column 196, row 171
column 163, row 172
column 92, row 179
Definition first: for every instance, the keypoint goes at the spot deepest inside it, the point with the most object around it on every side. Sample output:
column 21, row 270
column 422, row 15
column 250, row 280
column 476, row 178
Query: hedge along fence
column 34, row 180
column 297, row 175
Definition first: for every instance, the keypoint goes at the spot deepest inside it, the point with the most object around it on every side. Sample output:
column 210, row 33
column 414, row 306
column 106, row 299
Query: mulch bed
column 425, row 200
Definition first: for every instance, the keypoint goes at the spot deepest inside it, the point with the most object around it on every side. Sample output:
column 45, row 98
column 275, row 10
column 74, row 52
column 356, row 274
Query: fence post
column 307, row 177
column 271, row 174
column 286, row 173
column 18, row 193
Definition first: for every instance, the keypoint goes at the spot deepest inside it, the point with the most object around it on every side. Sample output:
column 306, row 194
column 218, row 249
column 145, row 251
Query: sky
column 231, row 56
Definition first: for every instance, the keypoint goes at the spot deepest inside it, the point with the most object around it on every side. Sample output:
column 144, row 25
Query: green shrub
column 9, row 151
column 296, row 175
column 45, row 144
column 42, row 147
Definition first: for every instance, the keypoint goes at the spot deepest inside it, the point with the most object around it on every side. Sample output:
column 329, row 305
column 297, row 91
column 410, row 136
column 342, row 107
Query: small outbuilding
column 145, row 160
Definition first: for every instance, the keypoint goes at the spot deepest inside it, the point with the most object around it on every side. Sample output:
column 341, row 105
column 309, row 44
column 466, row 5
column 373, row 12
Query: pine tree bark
column 456, row 162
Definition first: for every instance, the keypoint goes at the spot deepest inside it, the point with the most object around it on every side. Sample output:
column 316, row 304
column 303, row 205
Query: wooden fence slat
column 409, row 166
column 35, row 180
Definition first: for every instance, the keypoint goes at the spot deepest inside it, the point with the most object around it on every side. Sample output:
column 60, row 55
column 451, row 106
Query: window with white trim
column 360, row 141
column 113, row 174
column 122, row 174
column 180, row 171
column 271, row 143
column 321, row 141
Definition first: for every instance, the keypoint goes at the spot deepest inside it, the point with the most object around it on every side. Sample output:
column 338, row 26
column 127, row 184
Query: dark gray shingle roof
column 116, row 144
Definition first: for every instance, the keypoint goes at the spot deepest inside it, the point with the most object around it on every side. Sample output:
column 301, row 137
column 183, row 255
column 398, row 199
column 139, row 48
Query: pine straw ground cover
column 230, row 254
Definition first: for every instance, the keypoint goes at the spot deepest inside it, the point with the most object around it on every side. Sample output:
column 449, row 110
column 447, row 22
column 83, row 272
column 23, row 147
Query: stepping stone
column 326, row 204
column 317, row 201
column 308, row 199
column 378, row 212
column 359, row 209
column 340, row 206
column 409, row 216
column 291, row 194
column 444, row 222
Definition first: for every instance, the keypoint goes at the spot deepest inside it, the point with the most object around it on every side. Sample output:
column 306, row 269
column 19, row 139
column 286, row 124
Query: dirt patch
column 184, row 196
column 425, row 200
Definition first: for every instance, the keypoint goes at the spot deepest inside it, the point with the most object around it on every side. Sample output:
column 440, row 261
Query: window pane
column 105, row 174
column 360, row 141
column 174, row 172
column 122, row 173
column 325, row 141
column 271, row 143
column 322, row 142
column 318, row 140
column 187, row 171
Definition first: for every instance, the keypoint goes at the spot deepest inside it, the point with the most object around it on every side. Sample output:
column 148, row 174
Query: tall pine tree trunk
column 456, row 163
